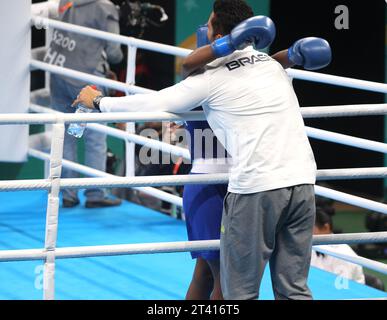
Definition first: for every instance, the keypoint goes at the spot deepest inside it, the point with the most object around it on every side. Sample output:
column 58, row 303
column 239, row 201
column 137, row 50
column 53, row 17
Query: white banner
column 15, row 53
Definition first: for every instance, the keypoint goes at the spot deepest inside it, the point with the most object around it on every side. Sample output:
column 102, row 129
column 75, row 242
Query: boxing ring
column 50, row 253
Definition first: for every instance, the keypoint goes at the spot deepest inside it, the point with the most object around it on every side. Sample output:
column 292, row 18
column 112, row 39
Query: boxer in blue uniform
column 203, row 204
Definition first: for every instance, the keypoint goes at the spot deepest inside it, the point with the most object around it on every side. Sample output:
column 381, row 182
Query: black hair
column 228, row 14
column 326, row 204
column 323, row 218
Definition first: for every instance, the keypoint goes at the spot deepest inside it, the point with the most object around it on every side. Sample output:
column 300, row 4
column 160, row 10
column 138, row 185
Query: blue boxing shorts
column 203, row 206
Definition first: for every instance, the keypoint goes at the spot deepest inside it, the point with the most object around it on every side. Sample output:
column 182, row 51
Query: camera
column 136, row 16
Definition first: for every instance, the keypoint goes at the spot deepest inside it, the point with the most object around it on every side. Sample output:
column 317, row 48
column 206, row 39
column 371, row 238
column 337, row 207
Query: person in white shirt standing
column 251, row 106
column 324, row 225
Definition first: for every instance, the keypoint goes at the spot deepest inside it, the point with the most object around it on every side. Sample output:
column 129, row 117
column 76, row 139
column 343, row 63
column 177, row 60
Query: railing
column 73, row 118
column 129, row 87
column 364, row 262
column 169, row 247
column 166, row 49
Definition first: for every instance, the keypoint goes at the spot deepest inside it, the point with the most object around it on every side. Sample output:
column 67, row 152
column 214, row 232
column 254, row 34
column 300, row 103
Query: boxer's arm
column 259, row 30
column 282, row 58
column 197, row 60
column 204, row 55
column 311, row 53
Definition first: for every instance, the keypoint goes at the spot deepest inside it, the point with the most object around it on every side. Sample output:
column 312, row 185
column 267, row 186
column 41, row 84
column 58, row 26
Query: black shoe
column 106, row 202
column 70, row 203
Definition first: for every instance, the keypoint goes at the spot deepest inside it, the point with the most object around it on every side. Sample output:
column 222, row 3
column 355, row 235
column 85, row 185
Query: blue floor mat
column 151, row 276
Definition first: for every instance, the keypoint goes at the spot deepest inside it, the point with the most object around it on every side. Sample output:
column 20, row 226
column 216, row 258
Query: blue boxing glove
column 201, row 41
column 202, row 36
column 259, row 30
column 311, row 53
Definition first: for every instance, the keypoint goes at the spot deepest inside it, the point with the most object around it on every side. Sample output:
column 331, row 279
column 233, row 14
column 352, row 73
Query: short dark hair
column 228, row 14
column 323, row 218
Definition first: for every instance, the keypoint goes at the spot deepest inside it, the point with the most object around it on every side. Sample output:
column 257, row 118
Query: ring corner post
column 15, row 55
column 53, row 210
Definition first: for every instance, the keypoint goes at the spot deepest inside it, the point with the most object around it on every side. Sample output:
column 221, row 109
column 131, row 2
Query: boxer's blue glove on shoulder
column 259, row 30
column 311, row 53
column 202, row 36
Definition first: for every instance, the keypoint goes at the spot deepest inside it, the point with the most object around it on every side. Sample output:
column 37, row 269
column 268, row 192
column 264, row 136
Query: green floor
column 354, row 221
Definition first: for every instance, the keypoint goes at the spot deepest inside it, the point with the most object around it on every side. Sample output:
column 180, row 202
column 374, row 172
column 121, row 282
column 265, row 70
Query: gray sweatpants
column 274, row 226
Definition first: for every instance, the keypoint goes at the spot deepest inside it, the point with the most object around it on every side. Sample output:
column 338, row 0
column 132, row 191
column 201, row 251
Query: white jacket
column 251, row 106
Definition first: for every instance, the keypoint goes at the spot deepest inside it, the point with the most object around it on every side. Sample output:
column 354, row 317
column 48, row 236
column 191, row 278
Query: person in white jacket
column 251, row 106
column 351, row 271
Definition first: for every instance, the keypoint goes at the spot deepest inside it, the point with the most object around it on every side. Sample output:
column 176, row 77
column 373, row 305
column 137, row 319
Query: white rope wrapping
column 74, row 74
column 350, row 238
column 53, row 210
column 43, row 8
column 350, row 199
column 351, row 174
column 159, row 181
column 135, row 182
column 178, row 151
column 338, row 81
column 364, row 262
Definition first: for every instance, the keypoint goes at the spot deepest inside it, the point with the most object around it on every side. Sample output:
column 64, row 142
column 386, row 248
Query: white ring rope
column 135, row 182
column 166, row 49
column 114, row 117
column 159, row 194
column 167, row 247
column 146, row 142
column 354, row 110
column 346, row 140
column 351, row 174
column 344, row 111
column 49, row 8
column 103, row 35
column 74, row 74
column 112, row 181
column 364, row 262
